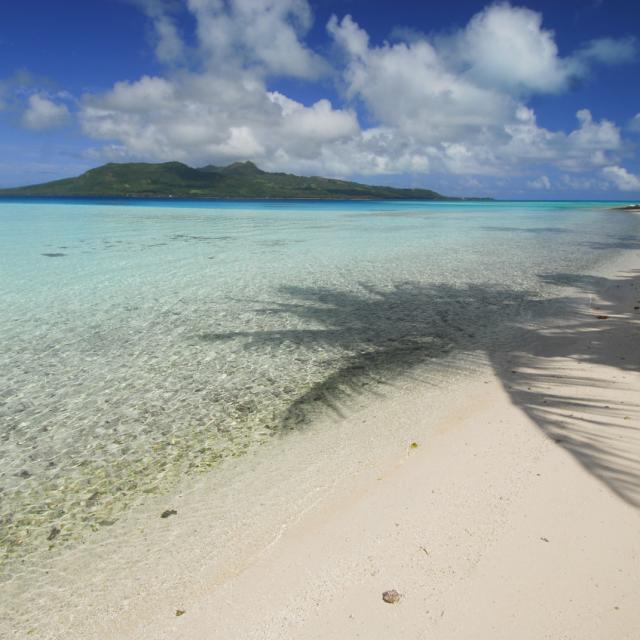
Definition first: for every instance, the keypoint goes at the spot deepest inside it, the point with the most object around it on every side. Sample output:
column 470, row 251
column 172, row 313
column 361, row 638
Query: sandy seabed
column 506, row 505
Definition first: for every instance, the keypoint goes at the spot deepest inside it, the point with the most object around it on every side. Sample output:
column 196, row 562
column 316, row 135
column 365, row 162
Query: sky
column 536, row 99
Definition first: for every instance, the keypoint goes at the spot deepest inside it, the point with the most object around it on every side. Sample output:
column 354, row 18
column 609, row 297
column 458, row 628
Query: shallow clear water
column 145, row 341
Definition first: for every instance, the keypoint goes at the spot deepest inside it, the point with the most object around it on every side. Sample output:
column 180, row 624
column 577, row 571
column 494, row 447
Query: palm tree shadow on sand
column 591, row 415
column 388, row 333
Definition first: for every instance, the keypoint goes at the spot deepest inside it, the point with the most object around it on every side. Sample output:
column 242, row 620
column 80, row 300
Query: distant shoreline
column 238, row 199
column 631, row 206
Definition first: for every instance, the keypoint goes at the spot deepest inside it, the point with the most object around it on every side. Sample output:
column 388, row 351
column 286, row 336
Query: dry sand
column 516, row 516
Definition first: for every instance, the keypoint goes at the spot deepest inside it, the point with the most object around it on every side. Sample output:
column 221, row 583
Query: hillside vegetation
column 238, row 180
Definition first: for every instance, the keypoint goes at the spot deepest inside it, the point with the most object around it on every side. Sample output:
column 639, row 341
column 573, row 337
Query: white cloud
column 471, row 120
column 407, row 86
column 542, row 182
column 594, row 137
column 207, row 118
column 14, row 86
column 148, row 94
column 634, row 124
column 43, row 113
column 582, row 183
column 452, row 104
column 609, row 50
column 169, row 47
column 265, row 35
column 507, row 47
column 624, row 180
column 320, row 122
column 592, row 144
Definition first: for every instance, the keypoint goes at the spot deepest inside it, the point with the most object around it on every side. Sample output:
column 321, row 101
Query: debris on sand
column 391, row 597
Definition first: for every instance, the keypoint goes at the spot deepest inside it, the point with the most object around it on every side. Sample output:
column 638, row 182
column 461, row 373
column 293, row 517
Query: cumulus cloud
column 624, row 180
column 507, row 47
column 407, row 86
column 266, row 35
column 17, row 84
column 591, row 144
column 595, row 138
column 583, row 183
column 455, row 103
column 43, row 113
column 542, row 182
column 634, row 124
column 207, row 118
column 169, row 46
column 467, row 121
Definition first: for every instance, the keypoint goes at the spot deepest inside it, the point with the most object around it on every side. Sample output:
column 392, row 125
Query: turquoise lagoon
column 144, row 341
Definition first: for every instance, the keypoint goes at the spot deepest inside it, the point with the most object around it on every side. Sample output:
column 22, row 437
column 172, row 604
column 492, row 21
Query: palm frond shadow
column 388, row 333
column 588, row 415
column 381, row 333
column 624, row 242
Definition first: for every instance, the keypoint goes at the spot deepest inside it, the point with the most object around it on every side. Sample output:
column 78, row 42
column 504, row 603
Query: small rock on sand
column 391, row 597
column 168, row 512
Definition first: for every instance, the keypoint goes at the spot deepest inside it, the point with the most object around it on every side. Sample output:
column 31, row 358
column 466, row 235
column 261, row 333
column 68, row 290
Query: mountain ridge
column 242, row 180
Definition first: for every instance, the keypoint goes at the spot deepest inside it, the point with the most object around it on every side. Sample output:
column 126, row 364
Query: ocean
column 144, row 342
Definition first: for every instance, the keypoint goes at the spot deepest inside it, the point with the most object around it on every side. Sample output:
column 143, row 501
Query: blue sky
column 526, row 100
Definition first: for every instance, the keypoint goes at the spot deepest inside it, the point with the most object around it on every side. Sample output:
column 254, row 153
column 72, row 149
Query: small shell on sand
column 391, row 596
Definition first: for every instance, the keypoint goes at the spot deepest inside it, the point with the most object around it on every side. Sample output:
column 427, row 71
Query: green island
column 243, row 180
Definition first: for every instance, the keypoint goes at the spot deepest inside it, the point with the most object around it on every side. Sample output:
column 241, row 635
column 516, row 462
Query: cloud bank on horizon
column 455, row 103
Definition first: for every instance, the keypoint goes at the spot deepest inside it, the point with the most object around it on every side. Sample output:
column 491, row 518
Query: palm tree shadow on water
column 371, row 336
column 386, row 333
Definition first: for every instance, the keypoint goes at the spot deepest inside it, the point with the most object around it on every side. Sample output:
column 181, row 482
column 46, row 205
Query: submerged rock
column 54, row 533
column 92, row 499
column 168, row 512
